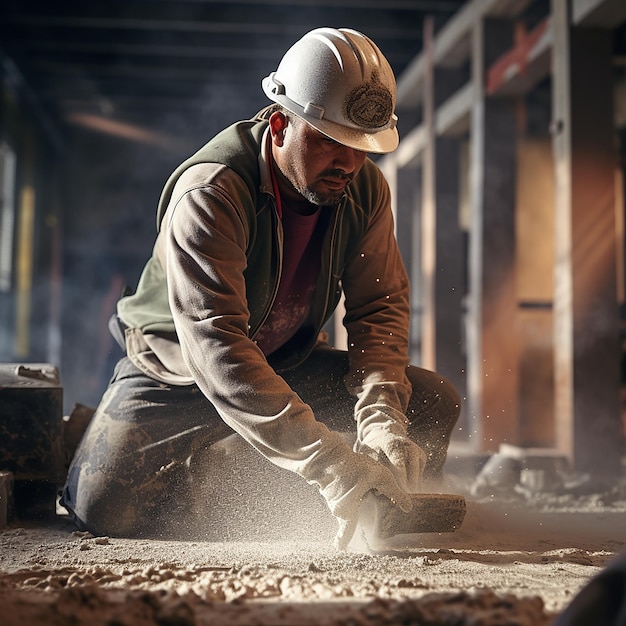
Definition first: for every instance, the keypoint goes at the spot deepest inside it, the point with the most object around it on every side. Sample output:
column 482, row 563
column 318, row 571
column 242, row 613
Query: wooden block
column 431, row 513
column 31, row 422
column 6, row 498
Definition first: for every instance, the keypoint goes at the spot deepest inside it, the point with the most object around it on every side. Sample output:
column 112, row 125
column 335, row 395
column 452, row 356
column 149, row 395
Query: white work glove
column 382, row 435
column 344, row 478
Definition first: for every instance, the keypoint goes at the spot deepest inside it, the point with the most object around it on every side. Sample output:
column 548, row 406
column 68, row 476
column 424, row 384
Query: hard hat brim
column 380, row 142
column 376, row 142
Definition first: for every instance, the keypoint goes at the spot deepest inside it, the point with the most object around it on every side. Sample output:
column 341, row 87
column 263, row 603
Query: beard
column 315, row 195
column 322, row 199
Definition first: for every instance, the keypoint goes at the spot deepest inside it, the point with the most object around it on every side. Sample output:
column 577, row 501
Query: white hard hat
column 342, row 85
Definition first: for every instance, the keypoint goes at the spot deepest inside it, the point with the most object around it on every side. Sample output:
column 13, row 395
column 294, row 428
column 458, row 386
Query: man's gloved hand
column 382, row 435
column 344, row 478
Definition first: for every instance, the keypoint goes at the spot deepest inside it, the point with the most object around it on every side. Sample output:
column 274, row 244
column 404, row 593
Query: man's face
column 317, row 167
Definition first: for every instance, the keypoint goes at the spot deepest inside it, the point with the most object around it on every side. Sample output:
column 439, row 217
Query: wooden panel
column 586, row 322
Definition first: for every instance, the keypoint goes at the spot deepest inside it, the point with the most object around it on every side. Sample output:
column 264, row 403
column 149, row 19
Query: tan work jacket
column 212, row 278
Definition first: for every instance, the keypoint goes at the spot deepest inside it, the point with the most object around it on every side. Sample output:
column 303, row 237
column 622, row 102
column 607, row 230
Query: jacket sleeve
column 376, row 289
column 206, row 236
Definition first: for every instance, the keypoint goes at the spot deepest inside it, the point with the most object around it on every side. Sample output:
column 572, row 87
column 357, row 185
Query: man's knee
column 98, row 504
column 118, row 507
column 433, row 394
column 433, row 411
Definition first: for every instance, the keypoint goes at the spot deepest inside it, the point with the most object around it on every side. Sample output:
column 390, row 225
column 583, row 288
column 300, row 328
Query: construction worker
column 259, row 232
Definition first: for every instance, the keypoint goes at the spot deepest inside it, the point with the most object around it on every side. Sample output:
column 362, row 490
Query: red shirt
column 301, row 264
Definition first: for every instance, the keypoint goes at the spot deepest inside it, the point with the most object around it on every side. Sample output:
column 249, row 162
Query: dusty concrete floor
column 518, row 559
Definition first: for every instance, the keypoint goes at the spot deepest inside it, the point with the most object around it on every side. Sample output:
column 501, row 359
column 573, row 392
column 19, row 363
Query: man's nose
column 346, row 159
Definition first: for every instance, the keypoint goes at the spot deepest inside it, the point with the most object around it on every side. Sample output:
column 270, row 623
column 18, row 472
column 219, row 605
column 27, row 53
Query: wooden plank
column 563, row 319
column 453, row 45
column 428, row 213
column 475, row 258
column 524, row 65
column 492, row 346
column 6, row 498
column 379, row 519
column 598, row 13
column 587, row 351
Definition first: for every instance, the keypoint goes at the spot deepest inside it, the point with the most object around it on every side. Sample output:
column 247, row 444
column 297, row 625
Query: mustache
column 334, row 173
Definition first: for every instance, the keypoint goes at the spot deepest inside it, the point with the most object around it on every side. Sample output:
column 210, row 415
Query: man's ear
column 278, row 122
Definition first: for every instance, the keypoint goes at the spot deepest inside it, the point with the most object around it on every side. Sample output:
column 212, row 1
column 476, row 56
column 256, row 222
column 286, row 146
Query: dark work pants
column 132, row 464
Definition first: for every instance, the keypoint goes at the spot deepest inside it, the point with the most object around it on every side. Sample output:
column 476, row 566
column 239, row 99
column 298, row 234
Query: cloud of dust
column 240, row 496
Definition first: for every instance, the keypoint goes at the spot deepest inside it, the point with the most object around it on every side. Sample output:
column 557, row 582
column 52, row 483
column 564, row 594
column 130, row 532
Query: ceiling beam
column 193, row 26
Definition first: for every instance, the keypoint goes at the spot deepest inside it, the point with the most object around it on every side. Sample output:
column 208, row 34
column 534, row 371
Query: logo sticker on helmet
column 370, row 105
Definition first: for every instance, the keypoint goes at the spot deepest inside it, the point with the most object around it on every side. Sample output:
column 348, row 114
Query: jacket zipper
column 278, row 232
column 333, row 239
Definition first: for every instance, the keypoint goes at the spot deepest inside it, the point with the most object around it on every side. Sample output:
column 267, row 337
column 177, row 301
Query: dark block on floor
column 31, row 432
